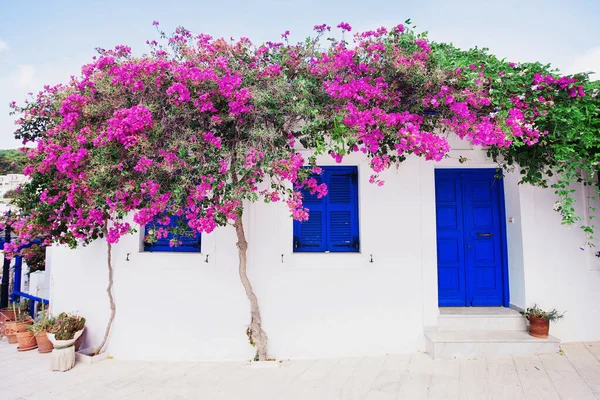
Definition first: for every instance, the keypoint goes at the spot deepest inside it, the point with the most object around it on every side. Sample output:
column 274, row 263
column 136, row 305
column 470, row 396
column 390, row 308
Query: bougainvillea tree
column 200, row 127
column 187, row 132
column 391, row 93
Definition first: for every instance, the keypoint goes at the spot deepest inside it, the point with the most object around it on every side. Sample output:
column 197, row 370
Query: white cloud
column 588, row 61
column 3, row 46
column 24, row 78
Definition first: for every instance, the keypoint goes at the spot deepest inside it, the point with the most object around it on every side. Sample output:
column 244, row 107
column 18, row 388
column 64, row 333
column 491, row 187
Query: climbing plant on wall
column 564, row 109
column 200, row 127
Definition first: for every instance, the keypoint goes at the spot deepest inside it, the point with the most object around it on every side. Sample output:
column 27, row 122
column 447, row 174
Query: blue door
column 470, row 238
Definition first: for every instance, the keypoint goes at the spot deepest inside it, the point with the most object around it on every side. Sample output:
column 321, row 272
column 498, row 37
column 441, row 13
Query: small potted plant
column 539, row 320
column 18, row 325
column 8, row 314
column 64, row 332
column 26, row 339
column 40, row 329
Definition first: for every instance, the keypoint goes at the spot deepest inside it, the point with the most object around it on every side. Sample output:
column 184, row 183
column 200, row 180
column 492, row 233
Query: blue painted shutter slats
column 342, row 210
column 333, row 219
column 310, row 236
column 189, row 244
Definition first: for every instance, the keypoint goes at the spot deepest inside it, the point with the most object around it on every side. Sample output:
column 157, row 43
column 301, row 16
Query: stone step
column 465, row 344
column 480, row 319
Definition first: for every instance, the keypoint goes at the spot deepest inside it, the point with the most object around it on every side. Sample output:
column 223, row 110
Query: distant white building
column 11, row 182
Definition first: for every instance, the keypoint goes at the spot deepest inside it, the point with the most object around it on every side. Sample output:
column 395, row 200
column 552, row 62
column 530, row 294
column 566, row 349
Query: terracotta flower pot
column 26, row 341
column 44, row 344
column 10, row 331
column 13, row 327
column 5, row 315
column 539, row 327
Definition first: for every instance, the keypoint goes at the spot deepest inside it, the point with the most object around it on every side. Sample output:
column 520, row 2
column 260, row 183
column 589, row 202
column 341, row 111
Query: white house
column 435, row 235
column 11, row 182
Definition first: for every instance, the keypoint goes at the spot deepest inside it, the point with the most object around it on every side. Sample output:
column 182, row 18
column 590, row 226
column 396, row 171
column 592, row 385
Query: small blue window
column 332, row 224
column 190, row 241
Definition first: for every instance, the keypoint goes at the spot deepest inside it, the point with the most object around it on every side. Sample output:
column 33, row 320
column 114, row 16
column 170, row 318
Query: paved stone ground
column 573, row 374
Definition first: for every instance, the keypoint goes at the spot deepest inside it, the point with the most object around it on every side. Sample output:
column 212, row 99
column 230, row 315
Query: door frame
column 503, row 231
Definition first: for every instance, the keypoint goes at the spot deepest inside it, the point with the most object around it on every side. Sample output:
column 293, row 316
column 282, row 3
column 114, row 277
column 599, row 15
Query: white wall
column 558, row 272
column 169, row 306
column 333, row 304
column 176, row 306
column 179, row 307
column 514, row 237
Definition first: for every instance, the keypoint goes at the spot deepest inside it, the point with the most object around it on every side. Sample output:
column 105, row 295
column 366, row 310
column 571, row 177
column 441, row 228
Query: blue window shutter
column 310, row 236
column 333, row 219
column 189, row 243
column 343, row 210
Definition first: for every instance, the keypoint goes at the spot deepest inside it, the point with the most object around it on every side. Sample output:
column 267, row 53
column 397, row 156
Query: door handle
column 484, row 234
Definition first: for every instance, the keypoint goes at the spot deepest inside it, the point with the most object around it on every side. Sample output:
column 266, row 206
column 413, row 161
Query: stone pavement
column 572, row 374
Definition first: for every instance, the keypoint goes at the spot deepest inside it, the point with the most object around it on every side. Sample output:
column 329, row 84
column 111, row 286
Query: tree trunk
column 111, row 299
column 256, row 334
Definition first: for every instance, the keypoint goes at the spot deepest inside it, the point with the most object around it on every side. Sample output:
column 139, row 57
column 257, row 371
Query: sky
column 47, row 41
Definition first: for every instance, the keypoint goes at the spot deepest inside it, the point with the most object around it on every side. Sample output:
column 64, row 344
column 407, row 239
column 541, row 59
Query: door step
column 480, row 319
column 465, row 344
column 464, row 332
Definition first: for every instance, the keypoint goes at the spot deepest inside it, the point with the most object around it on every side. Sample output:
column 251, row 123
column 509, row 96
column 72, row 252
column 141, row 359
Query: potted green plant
column 63, row 333
column 539, row 320
column 26, row 339
column 8, row 314
column 40, row 328
column 18, row 325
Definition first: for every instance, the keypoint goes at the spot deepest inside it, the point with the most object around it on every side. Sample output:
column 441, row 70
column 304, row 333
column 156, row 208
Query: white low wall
column 187, row 307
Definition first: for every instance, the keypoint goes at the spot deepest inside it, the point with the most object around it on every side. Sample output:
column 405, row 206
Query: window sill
column 353, row 253
column 191, row 253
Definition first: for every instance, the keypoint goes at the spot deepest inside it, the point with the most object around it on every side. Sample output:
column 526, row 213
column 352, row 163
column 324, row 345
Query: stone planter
column 84, row 356
column 79, row 340
column 63, row 355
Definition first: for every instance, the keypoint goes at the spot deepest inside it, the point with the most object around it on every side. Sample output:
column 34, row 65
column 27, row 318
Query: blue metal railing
column 33, row 300
column 16, row 294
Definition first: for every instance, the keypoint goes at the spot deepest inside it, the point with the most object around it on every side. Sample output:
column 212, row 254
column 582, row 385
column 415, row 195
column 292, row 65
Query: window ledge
column 323, row 253
column 186, row 253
